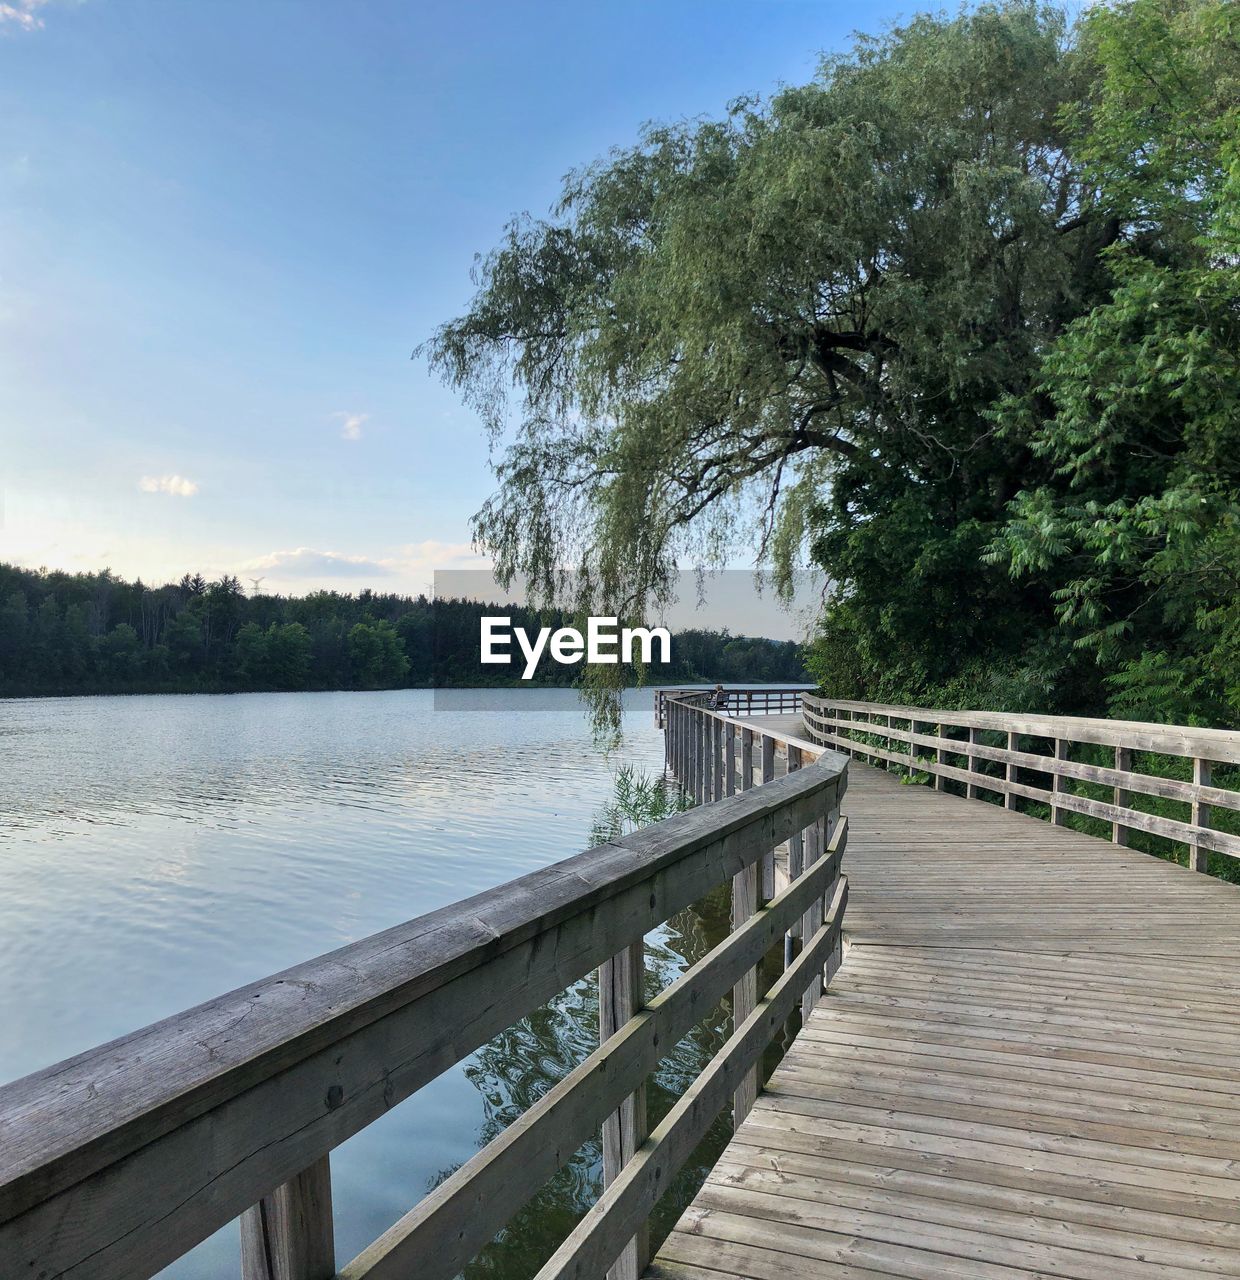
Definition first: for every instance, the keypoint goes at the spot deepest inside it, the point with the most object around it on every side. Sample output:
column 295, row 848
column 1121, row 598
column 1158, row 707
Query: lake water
column 158, row 851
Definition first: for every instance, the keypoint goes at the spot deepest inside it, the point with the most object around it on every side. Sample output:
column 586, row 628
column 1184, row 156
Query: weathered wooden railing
column 117, row 1162
column 1033, row 759
column 760, row 701
column 715, row 755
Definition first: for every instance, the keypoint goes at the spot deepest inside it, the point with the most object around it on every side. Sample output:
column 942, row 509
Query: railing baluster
column 1198, row 854
column 621, row 982
column 971, row 790
column 938, row 757
column 811, row 922
column 796, row 864
column 729, row 759
column 745, row 992
column 289, row 1234
column 1123, row 763
column 768, row 775
column 1009, row 772
column 1059, row 815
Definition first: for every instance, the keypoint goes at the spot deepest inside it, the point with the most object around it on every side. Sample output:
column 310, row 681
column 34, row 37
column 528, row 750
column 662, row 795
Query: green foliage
column 958, row 317
column 1135, row 533
column 91, row 633
column 640, row 799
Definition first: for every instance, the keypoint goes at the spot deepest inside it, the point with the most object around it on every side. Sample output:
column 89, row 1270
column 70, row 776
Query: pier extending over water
column 1017, row 1048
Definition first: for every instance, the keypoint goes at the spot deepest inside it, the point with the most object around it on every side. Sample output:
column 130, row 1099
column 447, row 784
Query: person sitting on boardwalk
column 721, row 698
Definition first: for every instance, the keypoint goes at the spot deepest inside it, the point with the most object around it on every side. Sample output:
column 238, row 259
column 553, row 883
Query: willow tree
column 785, row 328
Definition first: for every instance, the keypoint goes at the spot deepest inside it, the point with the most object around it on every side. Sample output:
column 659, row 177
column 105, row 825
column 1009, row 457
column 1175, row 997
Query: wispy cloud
column 306, row 562
column 406, row 568
column 22, row 14
column 351, row 424
column 178, row 486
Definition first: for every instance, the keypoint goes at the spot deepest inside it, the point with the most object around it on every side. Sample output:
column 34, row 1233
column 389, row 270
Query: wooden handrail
column 1038, row 747
column 118, row 1161
column 755, row 700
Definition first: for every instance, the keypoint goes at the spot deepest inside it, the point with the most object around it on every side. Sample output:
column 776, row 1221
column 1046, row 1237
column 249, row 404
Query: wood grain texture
column 1012, row 1074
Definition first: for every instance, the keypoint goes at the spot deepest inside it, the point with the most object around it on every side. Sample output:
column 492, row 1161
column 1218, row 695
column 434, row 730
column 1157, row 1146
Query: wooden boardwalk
column 1028, row 1065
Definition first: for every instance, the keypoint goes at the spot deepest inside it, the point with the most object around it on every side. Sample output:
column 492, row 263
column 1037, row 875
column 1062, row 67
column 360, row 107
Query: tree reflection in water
column 519, row 1066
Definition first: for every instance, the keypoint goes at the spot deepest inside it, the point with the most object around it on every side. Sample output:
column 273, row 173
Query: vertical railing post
column 1123, row 762
column 796, row 864
column 621, row 982
column 288, row 1235
column 975, row 736
column 716, row 758
column 729, row 759
column 768, row 775
column 1059, row 815
column 1198, row 854
column 699, row 737
column 811, row 921
column 1009, row 772
column 746, row 759
column 938, row 757
column 745, row 992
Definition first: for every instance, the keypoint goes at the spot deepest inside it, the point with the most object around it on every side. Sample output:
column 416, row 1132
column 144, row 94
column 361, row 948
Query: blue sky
column 224, row 226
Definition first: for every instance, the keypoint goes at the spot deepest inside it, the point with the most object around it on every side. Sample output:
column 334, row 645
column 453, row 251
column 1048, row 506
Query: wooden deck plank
column 1028, row 1065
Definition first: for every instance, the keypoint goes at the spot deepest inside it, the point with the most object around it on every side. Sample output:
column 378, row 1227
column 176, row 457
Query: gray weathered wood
column 621, row 993
column 1198, row 854
column 448, row 1227
column 1058, row 814
column 1123, row 765
column 768, row 775
column 597, row 1239
column 289, row 1235
column 745, row 992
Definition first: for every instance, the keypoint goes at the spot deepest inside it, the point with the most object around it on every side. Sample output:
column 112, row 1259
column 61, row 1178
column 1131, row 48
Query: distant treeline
column 66, row 633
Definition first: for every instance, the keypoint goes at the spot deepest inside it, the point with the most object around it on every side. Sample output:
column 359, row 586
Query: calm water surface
column 157, row 851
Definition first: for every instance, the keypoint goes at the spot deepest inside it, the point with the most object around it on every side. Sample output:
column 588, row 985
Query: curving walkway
column 1027, row 1066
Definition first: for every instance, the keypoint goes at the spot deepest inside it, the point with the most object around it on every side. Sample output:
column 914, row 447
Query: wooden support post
column 1059, row 815
column 975, row 736
column 796, row 865
column 729, row 759
column 745, row 992
column 621, row 990
column 746, row 759
column 1123, row 761
column 768, row 775
column 288, row 1234
column 1198, row 854
column 812, row 920
column 938, row 756
column 1009, row 771
column 836, row 958
column 716, row 758
column 701, row 789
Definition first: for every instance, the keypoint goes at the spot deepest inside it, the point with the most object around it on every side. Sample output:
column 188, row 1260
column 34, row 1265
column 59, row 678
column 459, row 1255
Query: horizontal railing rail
column 117, row 1162
column 759, row 700
column 1033, row 761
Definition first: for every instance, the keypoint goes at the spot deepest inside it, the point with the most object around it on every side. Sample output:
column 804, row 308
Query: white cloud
column 409, row 568
column 352, row 423
column 306, row 562
column 178, row 486
column 22, row 14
